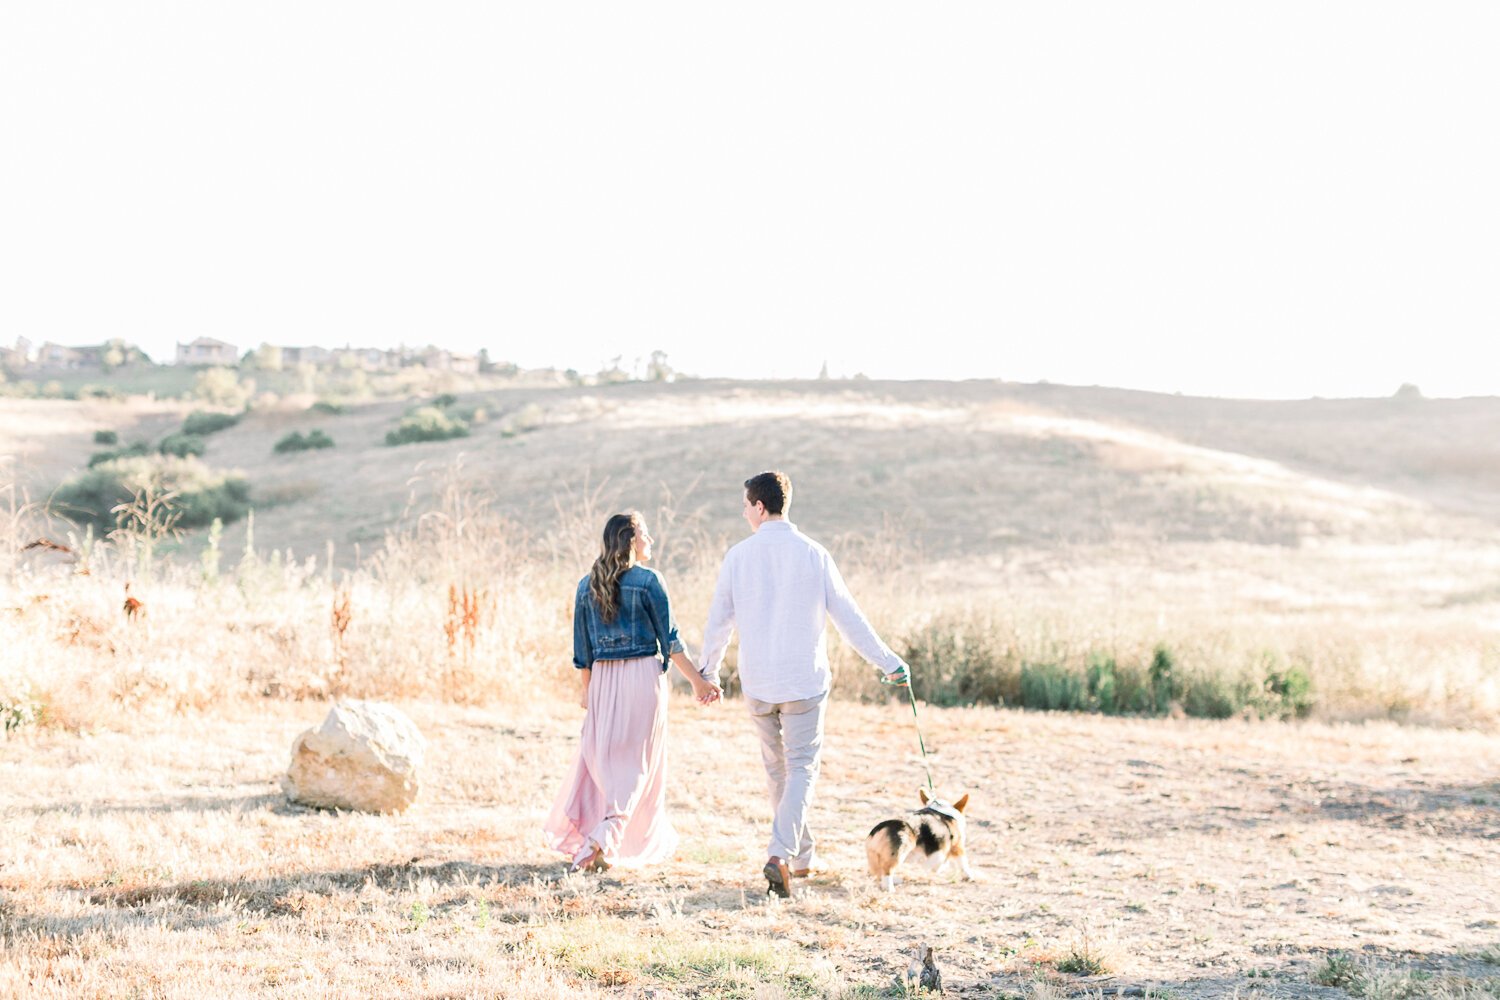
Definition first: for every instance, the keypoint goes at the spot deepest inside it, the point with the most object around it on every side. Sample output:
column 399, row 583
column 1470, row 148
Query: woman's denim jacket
column 644, row 626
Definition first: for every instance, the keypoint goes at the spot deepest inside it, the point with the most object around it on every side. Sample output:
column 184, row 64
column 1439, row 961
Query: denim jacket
column 644, row 626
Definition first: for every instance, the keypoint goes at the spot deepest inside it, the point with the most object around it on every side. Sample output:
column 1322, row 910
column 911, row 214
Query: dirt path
column 1192, row 859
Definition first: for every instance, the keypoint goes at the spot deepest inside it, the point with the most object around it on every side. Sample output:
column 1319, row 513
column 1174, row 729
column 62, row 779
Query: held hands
column 706, row 692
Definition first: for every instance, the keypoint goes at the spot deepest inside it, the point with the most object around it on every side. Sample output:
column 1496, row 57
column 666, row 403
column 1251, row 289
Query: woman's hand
column 707, row 693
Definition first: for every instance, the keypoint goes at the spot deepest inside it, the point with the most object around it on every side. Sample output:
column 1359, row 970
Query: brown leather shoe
column 778, row 878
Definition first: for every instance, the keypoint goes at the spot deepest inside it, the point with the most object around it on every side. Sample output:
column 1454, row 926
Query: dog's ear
column 959, row 805
column 922, row 792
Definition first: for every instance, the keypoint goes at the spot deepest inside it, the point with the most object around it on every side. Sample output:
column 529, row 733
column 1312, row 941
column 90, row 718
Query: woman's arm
column 583, row 696
column 704, row 690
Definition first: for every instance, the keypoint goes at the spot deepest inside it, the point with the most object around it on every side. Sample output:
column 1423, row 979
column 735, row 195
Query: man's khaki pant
column 791, row 747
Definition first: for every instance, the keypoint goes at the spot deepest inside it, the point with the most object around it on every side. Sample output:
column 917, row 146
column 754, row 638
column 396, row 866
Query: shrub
column 296, row 441
column 205, row 422
column 527, row 418
column 1052, row 688
column 1117, row 690
column 130, row 451
column 324, row 406
column 106, row 437
column 445, row 400
column 1164, row 686
column 426, row 424
column 1290, row 692
column 961, row 661
column 202, row 493
column 222, row 387
column 181, row 444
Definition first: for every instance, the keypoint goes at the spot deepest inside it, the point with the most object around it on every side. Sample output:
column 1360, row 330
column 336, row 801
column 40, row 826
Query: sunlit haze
column 1273, row 200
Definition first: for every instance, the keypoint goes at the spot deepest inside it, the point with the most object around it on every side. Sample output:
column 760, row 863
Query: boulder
column 366, row 755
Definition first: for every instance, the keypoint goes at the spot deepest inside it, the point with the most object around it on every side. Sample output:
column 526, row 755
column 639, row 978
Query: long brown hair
column 616, row 555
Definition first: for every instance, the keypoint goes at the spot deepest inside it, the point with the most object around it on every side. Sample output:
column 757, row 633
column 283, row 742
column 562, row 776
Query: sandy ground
column 1195, row 859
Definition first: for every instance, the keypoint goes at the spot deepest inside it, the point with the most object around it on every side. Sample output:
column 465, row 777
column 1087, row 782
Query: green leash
column 917, row 723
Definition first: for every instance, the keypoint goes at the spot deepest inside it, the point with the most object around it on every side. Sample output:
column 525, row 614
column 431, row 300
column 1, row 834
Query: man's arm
column 855, row 628
column 720, row 627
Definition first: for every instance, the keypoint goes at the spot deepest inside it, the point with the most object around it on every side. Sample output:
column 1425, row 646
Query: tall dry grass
column 464, row 604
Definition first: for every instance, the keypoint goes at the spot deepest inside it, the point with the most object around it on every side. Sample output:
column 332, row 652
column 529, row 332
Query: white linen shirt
column 779, row 588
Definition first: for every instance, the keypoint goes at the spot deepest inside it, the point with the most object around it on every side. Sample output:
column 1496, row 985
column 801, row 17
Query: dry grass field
column 1008, row 534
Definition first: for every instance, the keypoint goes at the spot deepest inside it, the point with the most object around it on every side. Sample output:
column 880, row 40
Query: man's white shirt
column 778, row 589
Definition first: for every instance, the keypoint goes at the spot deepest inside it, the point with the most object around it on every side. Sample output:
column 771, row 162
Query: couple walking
column 777, row 588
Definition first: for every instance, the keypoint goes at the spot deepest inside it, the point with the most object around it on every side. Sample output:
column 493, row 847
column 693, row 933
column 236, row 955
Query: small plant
column 182, row 444
column 106, row 437
column 445, row 400
column 18, row 709
column 1338, row 970
column 426, row 424
column 297, row 441
column 1087, row 955
column 419, row 914
column 206, row 422
column 332, row 409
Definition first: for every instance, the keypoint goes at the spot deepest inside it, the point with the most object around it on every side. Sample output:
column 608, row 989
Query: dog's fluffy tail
column 888, row 845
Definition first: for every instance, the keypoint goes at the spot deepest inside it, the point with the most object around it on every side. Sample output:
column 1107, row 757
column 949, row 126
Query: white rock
column 366, row 756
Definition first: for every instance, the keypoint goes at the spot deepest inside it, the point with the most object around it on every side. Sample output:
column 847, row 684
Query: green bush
column 1289, row 692
column 202, row 493
column 972, row 657
column 961, row 661
column 207, row 422
column 426, row 424
column 132, row 450
column 1115, row 689
column 106, row 437
column 324, row 406
column 1164, row 682
column 182, row 444
column 1052, row 688
column 445, row 400
column 296, row 441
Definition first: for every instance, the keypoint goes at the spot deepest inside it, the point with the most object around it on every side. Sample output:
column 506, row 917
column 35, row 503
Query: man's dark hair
column 773, row 489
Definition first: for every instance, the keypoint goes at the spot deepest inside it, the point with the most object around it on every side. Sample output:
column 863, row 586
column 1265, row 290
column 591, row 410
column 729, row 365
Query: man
column 779, row 588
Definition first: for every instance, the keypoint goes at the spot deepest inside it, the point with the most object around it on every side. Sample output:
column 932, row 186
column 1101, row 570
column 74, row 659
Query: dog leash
column 917, row 724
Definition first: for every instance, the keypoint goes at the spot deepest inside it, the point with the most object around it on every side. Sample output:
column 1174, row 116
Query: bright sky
column 1255, row 199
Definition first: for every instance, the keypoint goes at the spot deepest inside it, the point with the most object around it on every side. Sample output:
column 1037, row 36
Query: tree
column 268, row 358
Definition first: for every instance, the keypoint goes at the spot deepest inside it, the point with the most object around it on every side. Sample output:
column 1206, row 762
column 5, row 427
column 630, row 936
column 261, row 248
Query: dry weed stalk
column 342, row 615
column 461, row 629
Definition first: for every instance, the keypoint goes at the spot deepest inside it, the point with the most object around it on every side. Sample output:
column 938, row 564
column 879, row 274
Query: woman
column 612, row 810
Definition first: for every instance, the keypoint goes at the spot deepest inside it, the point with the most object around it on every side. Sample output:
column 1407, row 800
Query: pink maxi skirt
column 616, row 796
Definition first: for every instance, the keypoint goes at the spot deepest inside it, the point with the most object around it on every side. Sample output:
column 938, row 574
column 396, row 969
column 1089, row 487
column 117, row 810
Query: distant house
column 439, row 359
column 51, row 355
column 207, row 351
column 371, row 359
column 320, row 357
column 15, row 359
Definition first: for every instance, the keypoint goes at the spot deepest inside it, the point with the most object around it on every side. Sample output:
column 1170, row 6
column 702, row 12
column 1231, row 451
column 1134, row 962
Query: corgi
column 936, row 831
